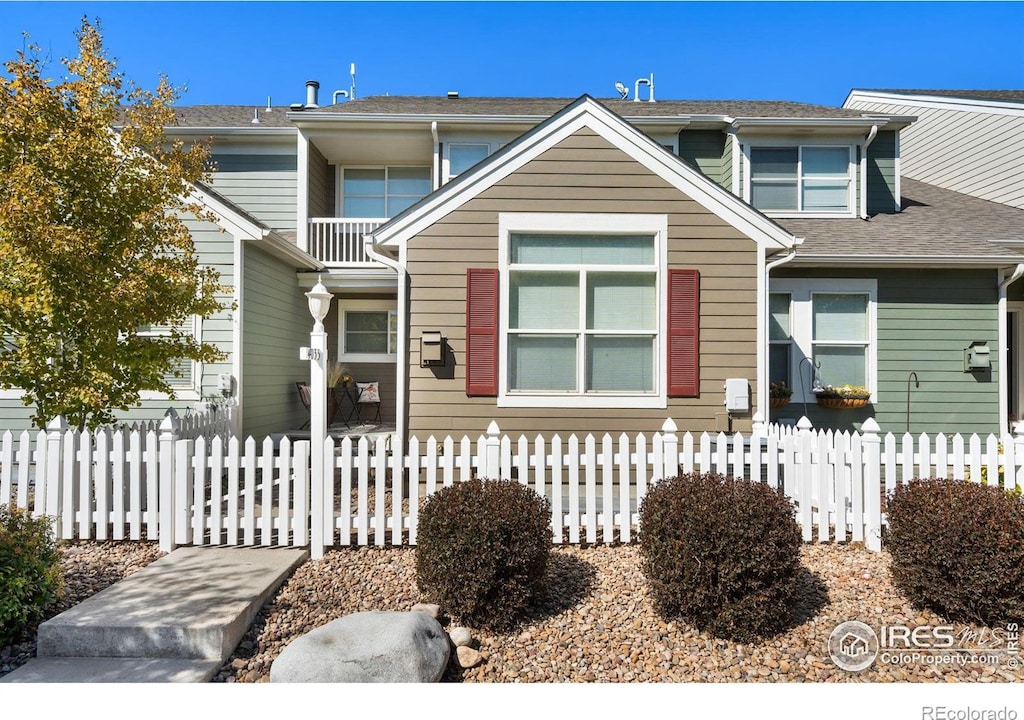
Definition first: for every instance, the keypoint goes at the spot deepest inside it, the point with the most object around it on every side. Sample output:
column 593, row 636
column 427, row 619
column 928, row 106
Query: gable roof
column 936, row 226
column 584, row 112
column 1007, row 96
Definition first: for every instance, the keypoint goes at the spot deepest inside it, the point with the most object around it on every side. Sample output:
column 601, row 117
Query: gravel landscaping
column 88, row 568
column 596, row 623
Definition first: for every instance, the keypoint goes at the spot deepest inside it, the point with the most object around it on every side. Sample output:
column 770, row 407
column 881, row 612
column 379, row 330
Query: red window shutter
column 683, row 333
column 482, row 331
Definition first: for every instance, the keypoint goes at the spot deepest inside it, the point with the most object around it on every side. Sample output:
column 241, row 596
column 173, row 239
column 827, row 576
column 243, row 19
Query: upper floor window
column 382, row 192
column 805, row 179
column 463, row 156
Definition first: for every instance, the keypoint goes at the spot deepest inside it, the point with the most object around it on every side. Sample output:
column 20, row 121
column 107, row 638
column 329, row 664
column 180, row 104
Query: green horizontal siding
column 263, row 185
column 882, row 174
column 925, row 320
column 215, row 249
column 705, row 150
column 726, row 175
column 276, row 323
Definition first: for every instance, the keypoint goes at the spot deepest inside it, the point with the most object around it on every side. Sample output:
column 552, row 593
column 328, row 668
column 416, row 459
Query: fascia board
column 824, row 123
column 612, row 128
column 947, row 101
column 225, row 131
column 908, row 260
column 281, row 248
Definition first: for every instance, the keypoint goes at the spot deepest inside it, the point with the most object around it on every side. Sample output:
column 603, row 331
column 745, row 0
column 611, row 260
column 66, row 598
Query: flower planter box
column 841, row 403
column 778, row 402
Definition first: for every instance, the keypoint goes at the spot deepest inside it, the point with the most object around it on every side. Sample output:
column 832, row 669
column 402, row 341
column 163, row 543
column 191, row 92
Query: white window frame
column 340, row 187
column 345, row 306
column 184, row 391
column 584, row 223
column 491, row 147
column 787, row 342
column 801, row 320
column 778, row 143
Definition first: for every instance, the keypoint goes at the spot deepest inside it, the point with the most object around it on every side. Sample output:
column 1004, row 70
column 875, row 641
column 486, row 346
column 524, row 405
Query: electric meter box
column 737, row 395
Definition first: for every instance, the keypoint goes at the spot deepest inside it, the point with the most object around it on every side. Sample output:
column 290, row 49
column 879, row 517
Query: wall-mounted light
column 977, row 357
column 431, row 349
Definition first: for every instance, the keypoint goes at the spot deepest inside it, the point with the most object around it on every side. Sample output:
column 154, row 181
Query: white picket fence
column 224, row 491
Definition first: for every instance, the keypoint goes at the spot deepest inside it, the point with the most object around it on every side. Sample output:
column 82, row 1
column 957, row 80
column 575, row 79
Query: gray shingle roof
column 240, row 116
column 1010, row 96
column 431, row 105
column 935, row 223
column 218, row 116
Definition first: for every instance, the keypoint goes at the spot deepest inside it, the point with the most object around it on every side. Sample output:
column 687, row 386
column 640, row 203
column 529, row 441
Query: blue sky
column 241, row 52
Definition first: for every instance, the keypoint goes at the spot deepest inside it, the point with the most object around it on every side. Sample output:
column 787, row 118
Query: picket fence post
column 670, row 451
column 1014, row 476
column 53, row 490
column 872, row 485
column 492, row 452
column 169, row 428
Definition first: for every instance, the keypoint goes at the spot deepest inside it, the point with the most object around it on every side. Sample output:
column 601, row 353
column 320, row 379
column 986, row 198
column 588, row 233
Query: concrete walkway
column 177, row 620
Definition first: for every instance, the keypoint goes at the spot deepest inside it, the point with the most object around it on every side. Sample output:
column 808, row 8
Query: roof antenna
column 622, row 90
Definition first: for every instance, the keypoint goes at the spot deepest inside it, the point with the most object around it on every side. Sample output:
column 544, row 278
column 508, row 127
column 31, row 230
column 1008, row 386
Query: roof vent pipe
column 649, row 82
column 312, row 89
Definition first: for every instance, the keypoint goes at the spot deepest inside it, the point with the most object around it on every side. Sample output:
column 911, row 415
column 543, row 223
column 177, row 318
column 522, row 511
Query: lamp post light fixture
column 319, row 305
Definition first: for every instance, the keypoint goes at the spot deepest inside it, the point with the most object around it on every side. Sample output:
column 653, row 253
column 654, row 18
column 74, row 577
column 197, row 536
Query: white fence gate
column 224, row 491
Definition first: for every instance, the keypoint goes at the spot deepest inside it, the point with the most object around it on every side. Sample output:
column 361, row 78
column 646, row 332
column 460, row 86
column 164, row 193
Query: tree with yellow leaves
column 93, row 244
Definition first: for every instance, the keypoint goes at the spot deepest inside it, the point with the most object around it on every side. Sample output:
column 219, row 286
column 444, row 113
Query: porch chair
column 368, row 394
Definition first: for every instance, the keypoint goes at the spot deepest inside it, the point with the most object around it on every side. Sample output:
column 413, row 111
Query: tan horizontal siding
column 584, row 173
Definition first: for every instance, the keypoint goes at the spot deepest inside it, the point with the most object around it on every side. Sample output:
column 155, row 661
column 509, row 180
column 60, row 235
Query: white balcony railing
column 339, row 241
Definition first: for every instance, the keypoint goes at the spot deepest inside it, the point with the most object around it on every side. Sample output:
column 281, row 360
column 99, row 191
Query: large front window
column 382, row 192
column 805, row 179
column 827, row 323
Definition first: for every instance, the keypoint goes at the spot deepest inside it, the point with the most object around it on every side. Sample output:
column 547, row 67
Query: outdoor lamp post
column 319, row 304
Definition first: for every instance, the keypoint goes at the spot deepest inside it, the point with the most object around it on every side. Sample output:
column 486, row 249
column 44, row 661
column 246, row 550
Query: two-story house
column 600, row 265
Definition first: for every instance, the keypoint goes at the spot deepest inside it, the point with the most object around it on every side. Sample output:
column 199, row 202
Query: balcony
column 338, row 242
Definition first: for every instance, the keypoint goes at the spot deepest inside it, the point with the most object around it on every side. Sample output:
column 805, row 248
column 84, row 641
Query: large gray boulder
column 367, row 647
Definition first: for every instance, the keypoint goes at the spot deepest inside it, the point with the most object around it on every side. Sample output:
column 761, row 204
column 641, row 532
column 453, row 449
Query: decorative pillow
column 368, row 392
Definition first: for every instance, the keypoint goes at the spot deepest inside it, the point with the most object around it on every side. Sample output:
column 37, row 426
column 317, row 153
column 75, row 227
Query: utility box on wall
column 737, row 395
column 977, row 357
column 431, row 349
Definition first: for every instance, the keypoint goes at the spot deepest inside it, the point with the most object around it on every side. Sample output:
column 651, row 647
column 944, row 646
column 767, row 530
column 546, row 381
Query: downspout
column 402, row 365
column 435, row 180
column 762, row 330
column 864, row 171
column 1004, row 369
